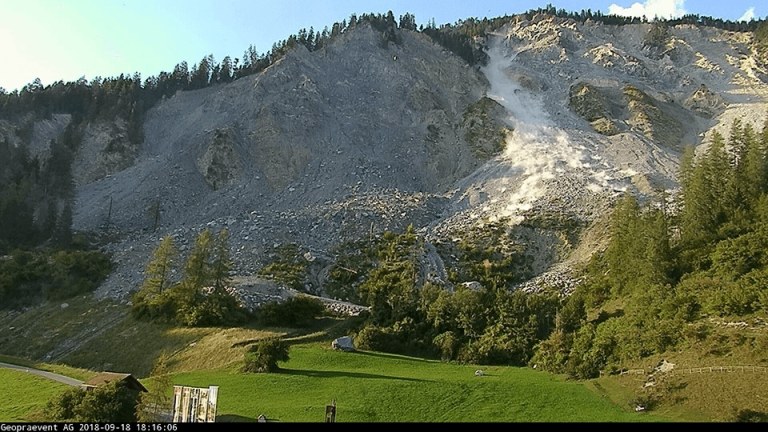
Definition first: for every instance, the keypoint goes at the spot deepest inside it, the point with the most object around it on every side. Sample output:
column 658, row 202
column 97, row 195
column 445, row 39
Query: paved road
column 50, row 375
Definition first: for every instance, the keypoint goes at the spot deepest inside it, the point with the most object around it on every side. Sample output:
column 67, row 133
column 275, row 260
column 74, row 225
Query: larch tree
column 160, row 267
column 197, row 272
column 221, row 266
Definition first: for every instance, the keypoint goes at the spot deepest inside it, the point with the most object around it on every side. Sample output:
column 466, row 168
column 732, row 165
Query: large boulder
column 343, row 343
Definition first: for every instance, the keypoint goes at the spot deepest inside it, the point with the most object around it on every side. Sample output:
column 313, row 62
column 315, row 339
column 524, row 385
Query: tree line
column 611, row 19
column 196, row 297
column 129, row 97
column 668, row 268
column 670, row 263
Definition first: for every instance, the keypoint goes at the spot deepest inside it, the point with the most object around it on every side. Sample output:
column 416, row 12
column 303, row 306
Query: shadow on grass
column 234, row 418
column 321, row 330
column 344, row 374
column 750, row 416
column 391, row 356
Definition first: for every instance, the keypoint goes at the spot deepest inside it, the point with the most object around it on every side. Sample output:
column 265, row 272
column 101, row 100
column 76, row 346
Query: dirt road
column 50, row 375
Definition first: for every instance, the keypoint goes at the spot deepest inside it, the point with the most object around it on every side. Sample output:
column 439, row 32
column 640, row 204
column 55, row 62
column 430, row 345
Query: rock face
column 38, row 133
column 363, row 136
column 104, row 150
column 306, row 130
column 483, row 123
column 220, row 164
column 596, row 107
column 705, row 102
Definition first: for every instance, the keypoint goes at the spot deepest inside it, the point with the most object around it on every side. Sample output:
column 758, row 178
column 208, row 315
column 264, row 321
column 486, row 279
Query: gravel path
column 50, row 375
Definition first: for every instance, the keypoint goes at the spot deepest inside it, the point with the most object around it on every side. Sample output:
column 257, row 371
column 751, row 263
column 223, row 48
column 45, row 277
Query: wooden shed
column 108, row 377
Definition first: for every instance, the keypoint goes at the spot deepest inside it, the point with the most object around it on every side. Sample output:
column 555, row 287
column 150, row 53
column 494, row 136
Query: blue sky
column 66, row 39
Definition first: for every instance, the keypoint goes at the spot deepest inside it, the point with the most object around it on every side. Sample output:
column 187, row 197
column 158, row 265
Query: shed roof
column 108, row 377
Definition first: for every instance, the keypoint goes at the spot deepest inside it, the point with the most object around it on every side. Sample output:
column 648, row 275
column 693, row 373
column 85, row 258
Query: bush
column 298, row 311
column 448, row 344
column 113, row 402
column 264, row 355
column 28, row 277
column 288, row 266
column 403, row 337
column 750, row 416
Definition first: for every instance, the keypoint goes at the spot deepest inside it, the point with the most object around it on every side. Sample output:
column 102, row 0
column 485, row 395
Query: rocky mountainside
column 598, row 110
column 366, row 135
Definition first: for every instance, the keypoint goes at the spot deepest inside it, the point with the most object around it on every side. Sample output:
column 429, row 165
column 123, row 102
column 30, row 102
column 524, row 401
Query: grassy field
column 102, row 335
column 376, row 387
column 42, row 331
column 25, row 395
column 707, row 396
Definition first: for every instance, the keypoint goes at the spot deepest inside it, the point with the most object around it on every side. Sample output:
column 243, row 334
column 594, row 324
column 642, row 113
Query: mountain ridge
column 370, row 134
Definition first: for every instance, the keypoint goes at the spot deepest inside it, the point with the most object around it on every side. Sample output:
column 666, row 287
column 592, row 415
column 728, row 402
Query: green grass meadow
column 25, row 395
column 376, row 387
column 367, row 386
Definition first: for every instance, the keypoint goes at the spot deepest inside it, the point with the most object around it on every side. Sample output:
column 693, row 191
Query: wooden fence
column 707, row 369
column 725, row 369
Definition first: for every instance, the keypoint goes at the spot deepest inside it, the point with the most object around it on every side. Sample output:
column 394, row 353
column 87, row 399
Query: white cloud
column 749, row 15
column 651, row 9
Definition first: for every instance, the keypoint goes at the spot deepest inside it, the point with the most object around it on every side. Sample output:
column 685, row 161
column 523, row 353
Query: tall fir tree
column 625, row 250
column 754, row 170
column 62, row 235
column 703, row 195
column 658, row 261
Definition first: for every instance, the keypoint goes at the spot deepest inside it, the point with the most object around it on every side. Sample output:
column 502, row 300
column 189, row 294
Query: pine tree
column 658, row 255
column 222, row 262
column 160, row 268
column 226, row 70
column 703, row 193
column 625, row 249
column 197, row 272
column 717, row 169
column 754, row 172
column 737, row 188
column 188, row 296
column 62, row 236
column 153, row 299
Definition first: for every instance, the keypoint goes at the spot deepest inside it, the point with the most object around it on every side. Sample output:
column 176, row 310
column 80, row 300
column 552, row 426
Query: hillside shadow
column 234, row 418
column 344, row 374
column 320, row 330
column 605, row 315
column 390, row 356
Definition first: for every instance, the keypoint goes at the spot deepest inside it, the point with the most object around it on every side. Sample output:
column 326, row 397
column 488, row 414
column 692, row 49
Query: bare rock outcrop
column 705, row 102
column 104, row 150
column 220, row 164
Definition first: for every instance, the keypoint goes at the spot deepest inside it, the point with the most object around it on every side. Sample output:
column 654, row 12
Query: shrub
column 264, row 355
column 288, row 266
column 750, row 416
column 113, row 402
column 28, row 277
column 298, row 311
column 447, row 343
